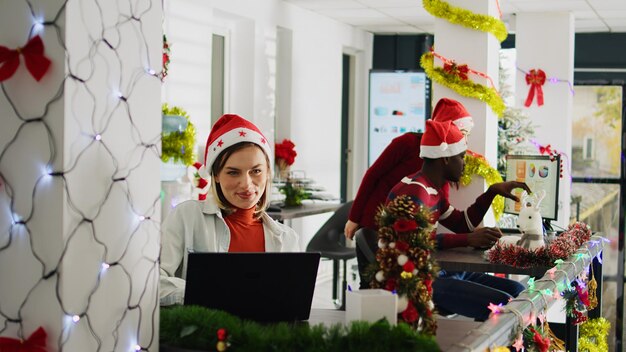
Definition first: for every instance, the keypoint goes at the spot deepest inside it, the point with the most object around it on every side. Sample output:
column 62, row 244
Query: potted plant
column 177, row 142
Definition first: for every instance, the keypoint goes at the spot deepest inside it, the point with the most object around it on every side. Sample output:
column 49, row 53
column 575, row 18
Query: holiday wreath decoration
column 404, row 260
column 467, row 88
column 476, row 164
column 178, row 137
column 559, row 249
column 466, row 18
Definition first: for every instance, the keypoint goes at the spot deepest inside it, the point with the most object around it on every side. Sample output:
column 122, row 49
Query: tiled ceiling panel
column 408, row 16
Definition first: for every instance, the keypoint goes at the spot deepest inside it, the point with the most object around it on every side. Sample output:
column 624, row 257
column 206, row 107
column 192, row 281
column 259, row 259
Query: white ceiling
column 409, row 16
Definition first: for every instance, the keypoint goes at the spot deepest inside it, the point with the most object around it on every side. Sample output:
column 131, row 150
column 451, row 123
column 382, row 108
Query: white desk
column 306, row 209
column 449, row 331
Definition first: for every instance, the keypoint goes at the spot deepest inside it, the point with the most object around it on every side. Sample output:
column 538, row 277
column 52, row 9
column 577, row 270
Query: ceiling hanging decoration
column 466, row 18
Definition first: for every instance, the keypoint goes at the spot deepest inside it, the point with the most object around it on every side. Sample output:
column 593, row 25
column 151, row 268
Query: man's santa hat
column 227, row 131
column 452, row 110
column 442, row 139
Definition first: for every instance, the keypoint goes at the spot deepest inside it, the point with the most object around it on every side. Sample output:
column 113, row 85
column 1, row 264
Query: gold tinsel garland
column 476, row 164
column 593, row 335
column 466, row 88
column 466, row 18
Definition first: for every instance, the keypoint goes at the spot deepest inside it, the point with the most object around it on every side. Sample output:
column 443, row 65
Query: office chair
column 330, row 241
column 366, row 241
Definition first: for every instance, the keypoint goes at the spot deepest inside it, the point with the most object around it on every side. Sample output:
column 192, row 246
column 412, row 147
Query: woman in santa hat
column 232, row 217
column 443, row 148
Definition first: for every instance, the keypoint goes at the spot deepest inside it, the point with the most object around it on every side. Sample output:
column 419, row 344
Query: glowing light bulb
column 150, row 71
column 98, row 137
column 137, row 348
column 16, row 219
column 105, row 266
column 38, row 25
column 75, row 318
column 142, row 218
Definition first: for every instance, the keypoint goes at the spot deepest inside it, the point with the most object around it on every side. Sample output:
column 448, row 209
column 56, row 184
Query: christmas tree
column 515, row 130
column 404, row 261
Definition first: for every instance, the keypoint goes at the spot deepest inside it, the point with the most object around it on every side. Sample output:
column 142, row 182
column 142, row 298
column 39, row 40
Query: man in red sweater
column 443, row 149
column 399, row 159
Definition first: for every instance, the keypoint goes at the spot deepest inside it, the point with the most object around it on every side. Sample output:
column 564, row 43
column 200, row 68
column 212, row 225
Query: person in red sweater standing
column 399, row 159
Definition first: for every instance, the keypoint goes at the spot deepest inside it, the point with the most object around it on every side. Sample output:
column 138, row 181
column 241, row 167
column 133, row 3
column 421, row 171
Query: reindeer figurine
column 530, row 222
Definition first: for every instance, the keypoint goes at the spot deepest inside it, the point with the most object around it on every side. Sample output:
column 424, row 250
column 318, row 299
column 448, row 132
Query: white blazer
column 198, row 226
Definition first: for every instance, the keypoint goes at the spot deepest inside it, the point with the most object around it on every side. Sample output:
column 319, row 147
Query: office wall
column 311, row 115
column 79, row 176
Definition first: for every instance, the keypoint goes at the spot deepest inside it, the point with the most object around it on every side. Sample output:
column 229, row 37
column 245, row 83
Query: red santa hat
column 442, row 139
column 452, row 110
column 230, row 130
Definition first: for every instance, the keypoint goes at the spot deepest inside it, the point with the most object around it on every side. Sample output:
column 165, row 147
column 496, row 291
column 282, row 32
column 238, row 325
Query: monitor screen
column 398, row 103
column 540, row 172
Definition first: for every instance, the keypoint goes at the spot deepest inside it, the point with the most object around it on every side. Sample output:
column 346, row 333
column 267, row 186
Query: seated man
column 400, row 158
column 443, row 149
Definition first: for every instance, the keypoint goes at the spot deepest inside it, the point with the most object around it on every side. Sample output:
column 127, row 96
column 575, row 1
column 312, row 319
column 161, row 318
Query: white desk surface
column 307, row 208
column 449, row 330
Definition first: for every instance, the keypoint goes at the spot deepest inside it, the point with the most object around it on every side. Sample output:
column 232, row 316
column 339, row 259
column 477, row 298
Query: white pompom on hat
column 451, row 110
column 229, row 130
column 442, row 139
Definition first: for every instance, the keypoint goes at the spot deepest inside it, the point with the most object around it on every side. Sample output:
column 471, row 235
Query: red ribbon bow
column 36, row 63
column 458, row 70
column 36, row 342
column 545, row 150
column 536, row 79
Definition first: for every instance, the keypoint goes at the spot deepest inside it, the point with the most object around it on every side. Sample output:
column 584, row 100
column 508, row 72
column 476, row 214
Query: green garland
column 466, row 18
column 477, row 165
column 466, row 88
column 178, row 146
column 194, row 327
column 593, row 335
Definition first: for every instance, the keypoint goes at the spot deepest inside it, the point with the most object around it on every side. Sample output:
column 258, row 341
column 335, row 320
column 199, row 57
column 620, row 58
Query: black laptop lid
column 264, row 287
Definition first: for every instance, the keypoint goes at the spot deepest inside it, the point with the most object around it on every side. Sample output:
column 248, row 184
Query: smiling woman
column 232, row 218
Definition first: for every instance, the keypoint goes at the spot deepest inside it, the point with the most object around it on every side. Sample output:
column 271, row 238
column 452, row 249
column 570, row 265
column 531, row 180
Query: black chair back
column 329, row 239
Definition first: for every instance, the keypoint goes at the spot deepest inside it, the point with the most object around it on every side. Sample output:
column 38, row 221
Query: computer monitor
column 540, row 172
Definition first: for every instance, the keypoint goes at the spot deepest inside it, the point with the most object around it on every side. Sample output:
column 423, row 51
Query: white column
column 546, row 41
column 79, row 166
column 479, row 50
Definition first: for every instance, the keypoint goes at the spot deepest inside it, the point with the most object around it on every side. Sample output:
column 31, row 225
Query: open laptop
column 265, row 287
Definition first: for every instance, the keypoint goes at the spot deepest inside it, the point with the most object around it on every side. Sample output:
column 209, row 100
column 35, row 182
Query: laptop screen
column 265, row 287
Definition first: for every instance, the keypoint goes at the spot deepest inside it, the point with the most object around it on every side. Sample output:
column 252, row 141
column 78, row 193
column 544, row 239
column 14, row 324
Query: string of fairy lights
column 101, row 271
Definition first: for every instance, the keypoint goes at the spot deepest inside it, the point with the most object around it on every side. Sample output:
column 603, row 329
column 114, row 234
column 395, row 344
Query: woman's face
column 454, row 167
column 244, row 177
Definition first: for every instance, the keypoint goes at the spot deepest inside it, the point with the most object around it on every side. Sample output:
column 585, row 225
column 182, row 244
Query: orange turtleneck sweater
column 246, row 232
